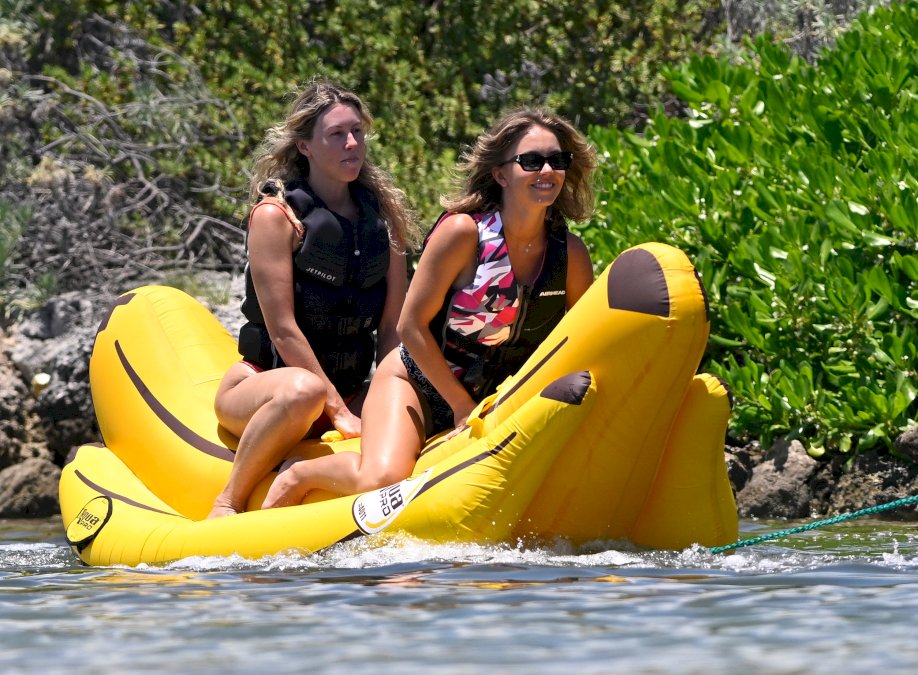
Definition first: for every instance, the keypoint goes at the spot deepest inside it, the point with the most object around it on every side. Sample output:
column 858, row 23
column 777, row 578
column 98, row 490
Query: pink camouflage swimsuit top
column 486, row 309
column 494, row 316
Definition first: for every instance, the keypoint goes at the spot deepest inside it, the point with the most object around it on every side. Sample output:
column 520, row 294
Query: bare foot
column 221, row 509
column 288, row 488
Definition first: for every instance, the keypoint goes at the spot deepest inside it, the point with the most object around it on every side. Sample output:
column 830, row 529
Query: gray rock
column 779, row 486
column 906, row 445
column 58, row 317
column 871, row 480
column 740, row 463
column 29, row 489
column 57, row 340
column 19, row 423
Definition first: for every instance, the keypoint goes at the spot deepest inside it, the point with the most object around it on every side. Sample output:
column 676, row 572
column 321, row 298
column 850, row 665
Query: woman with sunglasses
column 497, row 273
column 326, row 267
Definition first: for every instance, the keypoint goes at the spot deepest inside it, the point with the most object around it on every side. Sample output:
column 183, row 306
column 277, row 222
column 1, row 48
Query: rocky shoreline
column 46, row 409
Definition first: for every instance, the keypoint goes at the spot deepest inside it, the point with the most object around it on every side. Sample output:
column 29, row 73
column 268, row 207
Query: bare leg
column 270, row 412
column 393, row 433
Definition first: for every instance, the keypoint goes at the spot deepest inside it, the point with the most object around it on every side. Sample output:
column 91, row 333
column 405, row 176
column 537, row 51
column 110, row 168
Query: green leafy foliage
column 793, row 187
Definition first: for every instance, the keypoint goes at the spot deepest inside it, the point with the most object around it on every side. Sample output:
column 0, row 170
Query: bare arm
column 450, row 254
column 579, row 269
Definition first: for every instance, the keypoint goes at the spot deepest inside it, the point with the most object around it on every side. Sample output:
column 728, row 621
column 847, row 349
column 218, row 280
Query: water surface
column 839, row 599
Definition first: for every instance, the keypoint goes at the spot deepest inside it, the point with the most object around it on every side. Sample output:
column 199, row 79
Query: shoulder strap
column 300, row 201
column 436, row 223
column 285, row 207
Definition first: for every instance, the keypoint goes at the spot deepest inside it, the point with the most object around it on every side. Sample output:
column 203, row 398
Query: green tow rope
column 819, row 523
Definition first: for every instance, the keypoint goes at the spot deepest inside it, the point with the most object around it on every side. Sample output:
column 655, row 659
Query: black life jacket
column 339, row 289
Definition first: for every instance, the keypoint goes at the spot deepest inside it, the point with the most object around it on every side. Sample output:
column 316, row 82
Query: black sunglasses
column 533, row 161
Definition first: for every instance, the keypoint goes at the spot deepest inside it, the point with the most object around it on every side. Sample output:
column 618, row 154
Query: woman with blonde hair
column 326, row 267
column 497, row 273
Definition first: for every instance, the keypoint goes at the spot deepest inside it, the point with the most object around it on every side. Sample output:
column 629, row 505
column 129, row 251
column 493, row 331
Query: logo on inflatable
column 374, row 511
column 89, row 522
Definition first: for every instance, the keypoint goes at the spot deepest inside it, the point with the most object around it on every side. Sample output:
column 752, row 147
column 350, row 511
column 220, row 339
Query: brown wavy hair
column 278, row 161
column 476, row 190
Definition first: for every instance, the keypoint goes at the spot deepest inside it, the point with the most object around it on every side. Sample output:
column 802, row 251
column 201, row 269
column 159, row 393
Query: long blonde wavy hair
column 278, row 161
column 476, row 190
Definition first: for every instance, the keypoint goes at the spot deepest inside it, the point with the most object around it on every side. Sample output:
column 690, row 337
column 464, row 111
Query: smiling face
column 338, row 144
column 540, row 187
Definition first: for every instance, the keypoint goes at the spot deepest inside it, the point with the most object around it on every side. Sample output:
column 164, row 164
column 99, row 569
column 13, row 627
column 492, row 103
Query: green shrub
column 793, row 187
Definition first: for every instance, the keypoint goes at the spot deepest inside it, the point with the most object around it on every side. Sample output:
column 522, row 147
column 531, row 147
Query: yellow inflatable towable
column 606, row 433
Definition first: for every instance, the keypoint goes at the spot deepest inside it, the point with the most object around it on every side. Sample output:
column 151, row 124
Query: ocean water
column 839, row 599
